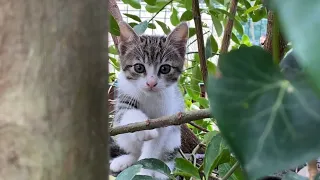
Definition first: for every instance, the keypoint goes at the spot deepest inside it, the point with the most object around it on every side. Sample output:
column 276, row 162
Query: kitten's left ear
column 178, row 38
column 180, row 33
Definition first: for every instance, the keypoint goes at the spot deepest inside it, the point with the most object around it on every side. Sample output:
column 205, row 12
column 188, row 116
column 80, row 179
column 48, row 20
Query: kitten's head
column 152, row 63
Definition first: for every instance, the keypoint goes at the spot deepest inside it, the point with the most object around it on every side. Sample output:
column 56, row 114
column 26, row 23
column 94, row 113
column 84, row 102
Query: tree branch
column 176, row 119
column 115, row 12
column 197, row 22
column 198, row 127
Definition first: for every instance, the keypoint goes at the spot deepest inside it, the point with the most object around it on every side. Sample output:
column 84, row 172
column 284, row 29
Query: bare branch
column 176, row 119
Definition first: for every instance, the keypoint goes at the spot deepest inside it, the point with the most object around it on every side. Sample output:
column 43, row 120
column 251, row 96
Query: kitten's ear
column 180, row 33
column 127, row 35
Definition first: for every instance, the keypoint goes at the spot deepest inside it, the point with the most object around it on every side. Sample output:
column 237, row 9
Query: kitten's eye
column 165, row 69
column 139, row 68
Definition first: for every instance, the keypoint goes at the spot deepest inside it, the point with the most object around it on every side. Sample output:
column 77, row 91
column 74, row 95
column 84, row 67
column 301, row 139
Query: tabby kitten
column 147, row 89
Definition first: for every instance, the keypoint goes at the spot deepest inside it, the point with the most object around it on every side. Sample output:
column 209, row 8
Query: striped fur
column 136, row 101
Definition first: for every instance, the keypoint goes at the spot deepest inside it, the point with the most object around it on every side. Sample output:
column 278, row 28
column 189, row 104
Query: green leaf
column 238, row 26
column 224, row 168
column 112, row 50
column 214, row 44
column 141, row 28
column 208, row 49
column 259, row 14
column 129, row 173
column 235, row 39
column 114, row 63
column 155, row 164
column 246, row 40
column 253, row 8
column 192, row 32
column 305, row 36
column 208, row 136
column 293, row 176
column 114, row 28
column 151, row 2
column 217, row 25
column 262, row 121
column 188, row 4
column 186, row 168
column 134, row 17
column 211, row 67
column 159, row 5
column 133, row 3
column 164, row 27
column 132, row 24
column 186, row 16
column 216, row 153
column 142, row 177
column 174, row 17
column 152, row 26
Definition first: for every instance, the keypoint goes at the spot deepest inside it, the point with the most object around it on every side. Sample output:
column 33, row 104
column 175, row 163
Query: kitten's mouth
column 152, row 89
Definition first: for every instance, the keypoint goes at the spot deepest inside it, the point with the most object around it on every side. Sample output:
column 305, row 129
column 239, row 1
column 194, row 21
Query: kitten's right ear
column 127, row 34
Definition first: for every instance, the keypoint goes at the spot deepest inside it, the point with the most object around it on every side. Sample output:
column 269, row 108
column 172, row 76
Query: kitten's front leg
column 131, row 142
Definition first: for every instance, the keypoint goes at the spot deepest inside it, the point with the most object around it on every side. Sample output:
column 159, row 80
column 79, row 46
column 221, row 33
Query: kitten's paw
column 147, row 135
column 122, row 162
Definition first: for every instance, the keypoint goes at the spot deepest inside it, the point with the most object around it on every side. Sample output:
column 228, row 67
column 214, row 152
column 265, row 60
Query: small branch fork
column 177, row 119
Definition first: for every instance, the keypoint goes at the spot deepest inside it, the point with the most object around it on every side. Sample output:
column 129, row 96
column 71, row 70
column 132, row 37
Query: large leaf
column 305, row 35
column 151, row 2
column 188, row 4
column 174, row 17
column 216, row 153
column 134, row 17
column 269, row 122
column 164, row 27
column 186, row 168
column 186, row 16
column 114, row 28
column 129, row 173
column 157, row 7
column 141, row 28
column 155, row 164
column 133, row 3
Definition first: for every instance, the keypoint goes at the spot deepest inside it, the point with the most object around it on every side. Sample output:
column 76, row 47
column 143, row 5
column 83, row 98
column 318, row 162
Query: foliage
column 266, row 119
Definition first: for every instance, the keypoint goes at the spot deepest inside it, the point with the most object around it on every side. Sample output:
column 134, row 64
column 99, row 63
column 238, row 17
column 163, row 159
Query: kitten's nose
column 152, row 82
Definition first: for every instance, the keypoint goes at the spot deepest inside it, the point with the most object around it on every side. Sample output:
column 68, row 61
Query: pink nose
column 151, row 83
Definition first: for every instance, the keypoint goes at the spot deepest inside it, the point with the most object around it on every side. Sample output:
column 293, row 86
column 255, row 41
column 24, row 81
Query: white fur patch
column 122, row 162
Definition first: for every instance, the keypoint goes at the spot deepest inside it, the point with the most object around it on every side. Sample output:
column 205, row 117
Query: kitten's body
column 147, row 93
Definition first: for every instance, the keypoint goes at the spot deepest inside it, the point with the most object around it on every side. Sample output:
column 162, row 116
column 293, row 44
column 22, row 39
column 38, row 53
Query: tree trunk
column 53, row 90
column 268, row 41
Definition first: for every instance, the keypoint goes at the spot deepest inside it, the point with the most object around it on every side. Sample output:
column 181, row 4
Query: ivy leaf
column 141, row 28
column 129, row 173
column 186, row 168
column 216, row 153
column 164, row 27
column 151, row 2
column 134, row 17
column 133, row 3
column 262, row 121
column 114, row 28
column 192, row 32
column 217, row 25
column 294, row 176
column 174, row 17
column 142, row 177
column 152, row 26
column 155, row 164
column 186, row 16
column 238, row 26
column 305, row 37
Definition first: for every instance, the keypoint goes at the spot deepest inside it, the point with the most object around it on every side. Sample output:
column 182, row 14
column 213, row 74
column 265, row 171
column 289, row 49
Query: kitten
column 147, row 89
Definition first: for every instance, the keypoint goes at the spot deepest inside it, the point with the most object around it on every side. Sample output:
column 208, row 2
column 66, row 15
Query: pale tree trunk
column 53, row 90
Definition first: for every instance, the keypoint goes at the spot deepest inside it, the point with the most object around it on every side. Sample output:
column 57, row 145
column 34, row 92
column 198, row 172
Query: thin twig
column 182, row 154
column 160, row 11
column 230, row 172
column 198, row 127
column 198, row 25
column 176, row 119
column 196, row 39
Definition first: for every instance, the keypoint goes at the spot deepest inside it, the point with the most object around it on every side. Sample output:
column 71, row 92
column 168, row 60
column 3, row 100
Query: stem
column 160, row 11
column 230, row 172
column 198, row 127
column 197, row 22
column 176, row 119
column 275, row 39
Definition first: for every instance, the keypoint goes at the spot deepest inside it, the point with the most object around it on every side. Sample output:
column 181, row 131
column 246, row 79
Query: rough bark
column 268, row 41
column 53, row 84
